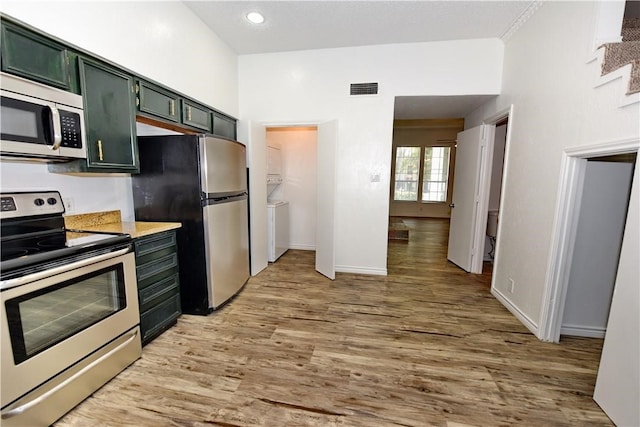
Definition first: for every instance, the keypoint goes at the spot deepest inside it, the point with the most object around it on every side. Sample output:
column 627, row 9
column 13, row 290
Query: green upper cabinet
column 34, row 57
column 157, row 102
column 109, row 107
column 224, row 126
column 196, row 116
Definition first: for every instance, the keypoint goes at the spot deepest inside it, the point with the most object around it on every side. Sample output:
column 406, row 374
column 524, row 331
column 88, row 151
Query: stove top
column 20, row 254
column 33, row 234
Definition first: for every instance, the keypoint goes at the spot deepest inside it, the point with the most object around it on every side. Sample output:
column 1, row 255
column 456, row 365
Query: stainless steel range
column 69, row 314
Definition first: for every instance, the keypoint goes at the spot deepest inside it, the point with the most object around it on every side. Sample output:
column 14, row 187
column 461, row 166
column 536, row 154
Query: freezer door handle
column 222, row 195
column 218, row 199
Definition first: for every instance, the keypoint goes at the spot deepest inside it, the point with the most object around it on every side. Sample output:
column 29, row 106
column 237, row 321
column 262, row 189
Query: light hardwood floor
column 425, row 345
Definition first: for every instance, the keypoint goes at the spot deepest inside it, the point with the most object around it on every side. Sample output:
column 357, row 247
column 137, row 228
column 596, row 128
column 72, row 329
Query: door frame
column 506, row 113
column 327, row 264
column 573, row 167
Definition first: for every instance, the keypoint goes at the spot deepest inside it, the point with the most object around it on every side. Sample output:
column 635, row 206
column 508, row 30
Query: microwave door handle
column 57, row 129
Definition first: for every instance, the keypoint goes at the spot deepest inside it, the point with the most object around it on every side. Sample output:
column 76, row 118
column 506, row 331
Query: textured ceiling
column 302, row 25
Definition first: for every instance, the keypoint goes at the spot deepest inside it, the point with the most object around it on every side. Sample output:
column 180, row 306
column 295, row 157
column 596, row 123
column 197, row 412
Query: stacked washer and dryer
column 277, row 210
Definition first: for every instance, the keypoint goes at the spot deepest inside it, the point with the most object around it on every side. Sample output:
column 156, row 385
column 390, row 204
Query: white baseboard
column 583, row 331
column 361, row 270
column 302, row 247
column 523, row 318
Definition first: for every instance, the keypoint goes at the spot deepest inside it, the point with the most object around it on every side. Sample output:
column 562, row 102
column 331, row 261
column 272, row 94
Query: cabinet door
column 109, row 117
column 196, row 116
column 34, row 57
column 224, row 126
column 157, row 102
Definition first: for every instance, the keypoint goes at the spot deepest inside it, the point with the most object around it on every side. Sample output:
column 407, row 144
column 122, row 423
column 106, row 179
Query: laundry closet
column 291, row 189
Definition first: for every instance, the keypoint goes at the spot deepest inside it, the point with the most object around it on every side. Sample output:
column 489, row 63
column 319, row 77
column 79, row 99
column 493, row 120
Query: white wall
column 298, row 148
column 550, row 84
column 603, row 211
column 313, row 86
column 163, row 41
column 89, row 194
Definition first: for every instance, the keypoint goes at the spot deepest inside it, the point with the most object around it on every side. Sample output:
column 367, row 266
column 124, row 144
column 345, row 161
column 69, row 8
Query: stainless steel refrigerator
column 200, row 181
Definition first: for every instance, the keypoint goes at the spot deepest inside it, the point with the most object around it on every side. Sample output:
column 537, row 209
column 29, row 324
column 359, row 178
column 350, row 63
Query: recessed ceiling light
column 255, row 17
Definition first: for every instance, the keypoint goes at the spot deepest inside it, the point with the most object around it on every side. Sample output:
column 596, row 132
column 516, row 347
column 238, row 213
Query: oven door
column 60, row 327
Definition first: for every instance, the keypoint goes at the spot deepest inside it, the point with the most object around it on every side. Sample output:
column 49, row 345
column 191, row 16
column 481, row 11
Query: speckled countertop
column 111, row 222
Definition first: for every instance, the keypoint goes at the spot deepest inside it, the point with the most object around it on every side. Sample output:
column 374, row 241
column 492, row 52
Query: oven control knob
column 52, row 201
column 38, row 202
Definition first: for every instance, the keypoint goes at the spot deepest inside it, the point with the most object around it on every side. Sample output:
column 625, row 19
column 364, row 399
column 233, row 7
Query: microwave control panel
column 71, row 130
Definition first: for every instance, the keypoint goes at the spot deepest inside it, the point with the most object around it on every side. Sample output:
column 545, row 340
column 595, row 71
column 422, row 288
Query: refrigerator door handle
column 224, row 199
column 222, row 195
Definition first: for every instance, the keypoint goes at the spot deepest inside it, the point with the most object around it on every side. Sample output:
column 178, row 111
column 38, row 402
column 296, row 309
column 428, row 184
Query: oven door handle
column 12, row 283
column 20, row 409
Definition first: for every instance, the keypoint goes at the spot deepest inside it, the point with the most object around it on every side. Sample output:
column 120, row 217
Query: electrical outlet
column 512, row 285
column 69, row 204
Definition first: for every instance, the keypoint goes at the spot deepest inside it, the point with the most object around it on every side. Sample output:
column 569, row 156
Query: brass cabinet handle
column 100, row 156
column 188, row 113
column 172, row 107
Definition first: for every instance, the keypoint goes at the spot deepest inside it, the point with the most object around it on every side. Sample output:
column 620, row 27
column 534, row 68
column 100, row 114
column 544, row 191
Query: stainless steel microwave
column 39, row 122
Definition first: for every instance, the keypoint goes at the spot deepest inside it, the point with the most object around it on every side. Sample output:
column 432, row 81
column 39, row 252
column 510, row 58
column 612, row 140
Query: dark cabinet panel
column 34, row 57
column 224, row 126
column 157, row 101
column 159, row 318
column 157, row 274
column 196, row 116
column 112, row 101
column 110, row 117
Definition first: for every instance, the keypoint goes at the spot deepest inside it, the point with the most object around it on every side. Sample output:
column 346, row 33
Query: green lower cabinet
column 158, row 283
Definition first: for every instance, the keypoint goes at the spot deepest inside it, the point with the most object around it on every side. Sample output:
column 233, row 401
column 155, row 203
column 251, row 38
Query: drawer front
column 223, row 126
column 161, row 275
column 158, row 102
column 158, row 265
column 149, row 257
column 196, row 116
column 159, row 291
column 155, row 320
column 154, row 243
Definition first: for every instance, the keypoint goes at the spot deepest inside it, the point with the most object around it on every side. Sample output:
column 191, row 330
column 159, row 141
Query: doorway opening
column 413, row 185
column 292, row 159
column 307, row 147
column 479, row 170
column 602, row 214
column 594, row 196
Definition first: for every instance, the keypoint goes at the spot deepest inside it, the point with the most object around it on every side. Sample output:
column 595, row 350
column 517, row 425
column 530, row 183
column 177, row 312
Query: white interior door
column 617, row 388
column 325, row 222
column 469, row 207
column 257, row 163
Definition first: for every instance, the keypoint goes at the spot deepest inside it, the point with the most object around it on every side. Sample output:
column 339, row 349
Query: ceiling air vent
column 364, row 88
